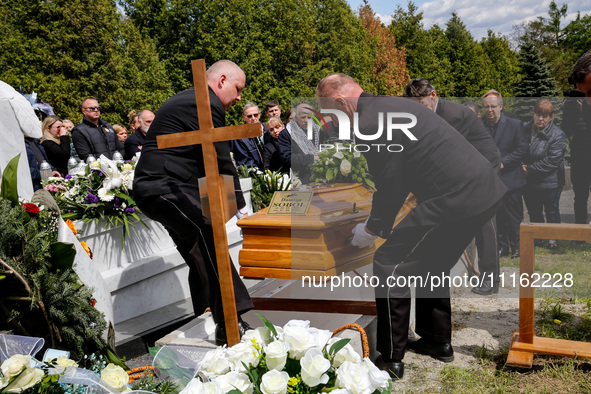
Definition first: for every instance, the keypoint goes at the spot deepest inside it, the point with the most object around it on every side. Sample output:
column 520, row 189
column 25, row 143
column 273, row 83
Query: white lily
column 112, row 176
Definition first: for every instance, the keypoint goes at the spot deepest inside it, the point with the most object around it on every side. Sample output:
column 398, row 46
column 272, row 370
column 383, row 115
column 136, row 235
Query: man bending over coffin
column 457, row 190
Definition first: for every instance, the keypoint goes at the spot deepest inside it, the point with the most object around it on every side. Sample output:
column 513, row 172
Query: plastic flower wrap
column 99, row 190
column 294, row 359
column 341, row 164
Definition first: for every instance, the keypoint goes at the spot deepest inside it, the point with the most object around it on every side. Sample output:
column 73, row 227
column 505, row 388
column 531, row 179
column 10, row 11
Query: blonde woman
column 56, row 143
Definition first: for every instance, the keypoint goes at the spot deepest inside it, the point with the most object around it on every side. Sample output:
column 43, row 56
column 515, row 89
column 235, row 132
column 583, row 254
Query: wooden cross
column 207, row 135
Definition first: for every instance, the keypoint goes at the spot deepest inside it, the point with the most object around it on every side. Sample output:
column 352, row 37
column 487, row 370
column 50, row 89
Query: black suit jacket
column 449, row 177
column 133, row 143
column 170, row 170
column 512, row 141
column 469, row 125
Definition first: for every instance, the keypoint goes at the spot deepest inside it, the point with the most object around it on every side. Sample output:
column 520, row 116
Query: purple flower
column 91, row 199
column 68, row 176
column 129, row 210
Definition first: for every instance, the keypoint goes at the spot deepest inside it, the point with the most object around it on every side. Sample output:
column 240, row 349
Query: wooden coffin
column 314, row 245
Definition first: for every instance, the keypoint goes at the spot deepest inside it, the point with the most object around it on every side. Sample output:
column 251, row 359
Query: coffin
column 314, row 245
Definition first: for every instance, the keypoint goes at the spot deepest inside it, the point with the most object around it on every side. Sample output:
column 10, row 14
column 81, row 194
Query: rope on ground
column 357, row 327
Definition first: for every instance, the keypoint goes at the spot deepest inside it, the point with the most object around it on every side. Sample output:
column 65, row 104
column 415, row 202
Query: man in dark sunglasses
column 94, row 136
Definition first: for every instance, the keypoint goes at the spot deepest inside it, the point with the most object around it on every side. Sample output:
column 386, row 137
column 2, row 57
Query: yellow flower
column 71, row 226
column 86, row 248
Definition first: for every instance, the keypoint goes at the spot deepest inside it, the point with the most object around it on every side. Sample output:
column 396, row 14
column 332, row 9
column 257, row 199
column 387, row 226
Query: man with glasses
column 512, row 141
column 94, row 136
column 248, row 151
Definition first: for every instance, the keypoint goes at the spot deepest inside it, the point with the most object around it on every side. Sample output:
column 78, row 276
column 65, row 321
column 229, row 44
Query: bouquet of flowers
column 294, row 359
column 264, row 185
column 99, row 190
column 341, row 163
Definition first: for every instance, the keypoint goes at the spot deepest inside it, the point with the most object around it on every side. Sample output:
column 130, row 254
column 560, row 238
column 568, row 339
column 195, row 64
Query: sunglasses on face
column 94, row 108
column 253, row 116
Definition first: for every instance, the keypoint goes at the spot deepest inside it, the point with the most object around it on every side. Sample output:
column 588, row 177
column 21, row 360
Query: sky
column 478, row 15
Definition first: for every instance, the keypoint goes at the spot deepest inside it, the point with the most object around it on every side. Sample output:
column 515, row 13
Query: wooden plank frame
column 525, row 342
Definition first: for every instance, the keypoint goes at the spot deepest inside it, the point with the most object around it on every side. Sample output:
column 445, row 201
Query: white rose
column 340, row 391
column 274, row 382
column 276, row 355
column 195, row 386
column 356, row 154
column 116, row 377
column 13, row 366
column 297, row 323
column 262, row 335
column 27, row 379
column 216, row 362
column 321, row 336
column 240, row 353
column 299, row 340
column 63, row 361
column 345, row 167
column 339, row 155
column 126, row 167
column 212, row 388
column 377, row 378
column 314, row 366
column 353, row 378
column 347, row 353
column 235, row 381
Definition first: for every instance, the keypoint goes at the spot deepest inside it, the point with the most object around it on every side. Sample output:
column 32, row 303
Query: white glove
column 362, row 238
column 242, row 212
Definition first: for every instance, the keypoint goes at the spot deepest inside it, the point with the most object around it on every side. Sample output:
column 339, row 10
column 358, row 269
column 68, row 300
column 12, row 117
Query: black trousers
column 488, row 251
column 580, row 175
column 425, row 252
column 509, row 218
column 180, row 213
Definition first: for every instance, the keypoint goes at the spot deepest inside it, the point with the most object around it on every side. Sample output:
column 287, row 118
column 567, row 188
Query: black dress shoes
column 440, row 351
column 486, row 288
column 394, row 368
column 220, row 331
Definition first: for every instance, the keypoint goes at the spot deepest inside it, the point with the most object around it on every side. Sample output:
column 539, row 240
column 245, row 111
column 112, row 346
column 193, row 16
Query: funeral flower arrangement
column 99, row 190
column 341, row 163
column 264, row 185
column 296, row 358
column 40, row 294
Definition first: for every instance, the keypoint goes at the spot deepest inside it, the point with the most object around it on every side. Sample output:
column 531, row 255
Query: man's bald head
column 338, row 85
column 339, row 91
column 227, row 81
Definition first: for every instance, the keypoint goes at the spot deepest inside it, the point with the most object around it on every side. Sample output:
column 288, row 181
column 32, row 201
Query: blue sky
column 478, row 15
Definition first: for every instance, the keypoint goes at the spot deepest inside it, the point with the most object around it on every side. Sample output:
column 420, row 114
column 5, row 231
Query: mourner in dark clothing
column 94, row 136
column 56, row 143
column 135, row 142
column 511, row 139
column 454, row 201
column 166, row 189
column 577, row 123
column 469, row 125
column 35, row 155
column 544, row 167
column 271, row 156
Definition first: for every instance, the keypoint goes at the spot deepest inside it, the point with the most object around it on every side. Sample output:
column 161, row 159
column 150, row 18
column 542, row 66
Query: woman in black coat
column 56, row 143
column 271, row 156
column 544, row 167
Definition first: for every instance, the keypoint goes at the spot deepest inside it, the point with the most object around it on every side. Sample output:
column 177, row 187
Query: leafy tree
column 67, row 50
column 284, row 47
column 577, row 35
column 502, row 63
column 389, row 68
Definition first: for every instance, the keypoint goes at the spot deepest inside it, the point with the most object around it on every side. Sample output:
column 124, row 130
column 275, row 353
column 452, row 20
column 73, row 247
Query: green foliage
column 8, row 187
column 334, row 166
column 51, row 302
column 68, row 50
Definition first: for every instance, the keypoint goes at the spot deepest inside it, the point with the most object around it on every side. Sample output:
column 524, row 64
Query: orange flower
column 86, row 248
column 72, row 227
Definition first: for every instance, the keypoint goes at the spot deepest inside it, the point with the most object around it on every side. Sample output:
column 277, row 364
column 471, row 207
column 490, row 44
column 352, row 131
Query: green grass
column 562, row 313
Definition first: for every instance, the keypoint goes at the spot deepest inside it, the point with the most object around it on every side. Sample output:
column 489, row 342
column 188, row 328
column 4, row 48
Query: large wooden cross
column 207, row 136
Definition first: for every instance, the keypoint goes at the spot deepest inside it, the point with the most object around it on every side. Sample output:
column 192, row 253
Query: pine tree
column 536, row 79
